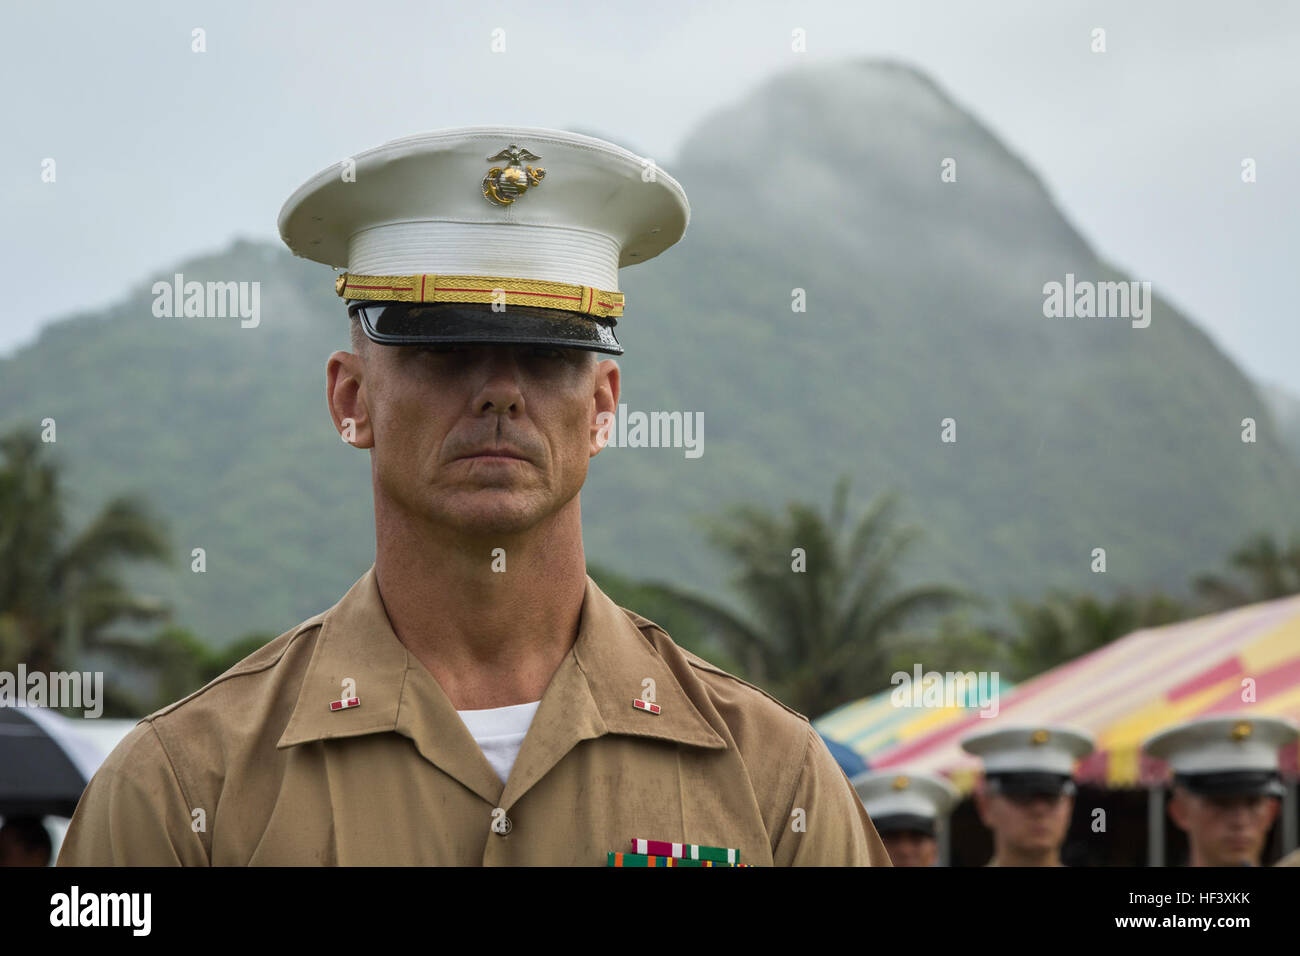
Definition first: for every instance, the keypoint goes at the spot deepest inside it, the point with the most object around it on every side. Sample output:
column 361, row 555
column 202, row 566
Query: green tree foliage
column 61, row 594
column 957, row 642
column 179, row 663
column 819, row 635
column 1260, row 569
column 651, row 602
column 1064, row 626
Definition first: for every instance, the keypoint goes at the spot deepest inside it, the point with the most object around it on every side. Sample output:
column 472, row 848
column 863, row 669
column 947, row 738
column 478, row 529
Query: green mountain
column 924, row 302
column 1285, row 408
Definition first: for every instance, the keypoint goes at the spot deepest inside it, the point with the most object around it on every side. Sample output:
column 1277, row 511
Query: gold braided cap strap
column 482, row 289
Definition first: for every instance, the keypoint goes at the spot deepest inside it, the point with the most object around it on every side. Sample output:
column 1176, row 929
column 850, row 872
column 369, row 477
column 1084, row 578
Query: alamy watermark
column 208, row 300
column 57, row 690
column 653, row 430
column 1100, row 300
column 75, row 908
column 952, row 689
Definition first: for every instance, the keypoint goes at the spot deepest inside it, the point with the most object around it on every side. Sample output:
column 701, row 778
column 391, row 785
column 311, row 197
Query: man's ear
column 1178, row 808
column 982, row 807
column 346, row 394
column 605, row 405
column 1274, row 805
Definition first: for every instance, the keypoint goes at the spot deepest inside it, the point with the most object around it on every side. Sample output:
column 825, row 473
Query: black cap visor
column 417, row 323
column 904, row 823
column 1245, row 783
column 1031, row 783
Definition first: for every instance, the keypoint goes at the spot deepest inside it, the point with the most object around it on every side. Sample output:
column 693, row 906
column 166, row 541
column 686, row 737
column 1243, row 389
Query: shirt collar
column 591, row 693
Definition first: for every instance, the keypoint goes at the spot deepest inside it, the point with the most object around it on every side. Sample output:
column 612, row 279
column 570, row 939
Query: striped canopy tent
column 1245, row 661
column 875, row 725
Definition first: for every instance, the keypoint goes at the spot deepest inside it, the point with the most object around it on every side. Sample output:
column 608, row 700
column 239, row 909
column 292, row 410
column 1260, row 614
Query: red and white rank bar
column 640, row 704
column 345, row 704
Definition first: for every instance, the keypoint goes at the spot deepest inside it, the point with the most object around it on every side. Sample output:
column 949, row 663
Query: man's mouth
column 493, row 454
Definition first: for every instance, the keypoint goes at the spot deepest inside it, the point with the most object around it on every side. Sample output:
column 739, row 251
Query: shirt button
column 501, row 824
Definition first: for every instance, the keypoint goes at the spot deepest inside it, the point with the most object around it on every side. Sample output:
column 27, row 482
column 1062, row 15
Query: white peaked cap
column 1029, row 749
column 418, row 206
column 887, row 793
column 1233, row 743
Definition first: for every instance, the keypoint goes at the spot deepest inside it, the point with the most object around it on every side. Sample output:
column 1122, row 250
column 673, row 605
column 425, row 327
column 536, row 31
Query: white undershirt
column 499, row 732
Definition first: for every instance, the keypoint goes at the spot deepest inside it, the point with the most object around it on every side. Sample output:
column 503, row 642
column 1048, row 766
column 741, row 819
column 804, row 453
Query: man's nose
column 1239, row 814
column 499, row 390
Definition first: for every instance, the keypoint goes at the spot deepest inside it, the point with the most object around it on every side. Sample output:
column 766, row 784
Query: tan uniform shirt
column 1291, row 859
column 255, row 768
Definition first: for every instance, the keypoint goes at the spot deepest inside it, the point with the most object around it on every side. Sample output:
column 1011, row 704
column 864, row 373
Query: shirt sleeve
column 827, row 824
column 133, row 812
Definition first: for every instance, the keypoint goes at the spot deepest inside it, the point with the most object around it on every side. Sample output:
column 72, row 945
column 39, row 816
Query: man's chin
column 1039, row 843
column 491, row 511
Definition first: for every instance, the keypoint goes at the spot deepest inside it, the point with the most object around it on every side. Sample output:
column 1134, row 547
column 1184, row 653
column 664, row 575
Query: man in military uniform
column 906, row 810
column 1027, row 795
column 1226, row 786
column 475, row 698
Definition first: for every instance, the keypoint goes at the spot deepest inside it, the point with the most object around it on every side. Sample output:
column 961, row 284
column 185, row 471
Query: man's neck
column 1015, row 856
column 491, row 626
column 1198, row 858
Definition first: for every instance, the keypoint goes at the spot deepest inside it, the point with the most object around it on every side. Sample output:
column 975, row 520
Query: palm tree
column 1065, row 626
column 649, row 601
column 1270, row 570
column 61, row 595
column 817, row 636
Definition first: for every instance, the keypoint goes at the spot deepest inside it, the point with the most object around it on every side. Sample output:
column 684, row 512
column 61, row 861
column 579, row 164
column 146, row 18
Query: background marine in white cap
column 1226, row 785
column 907, row 809
column 1027, row 795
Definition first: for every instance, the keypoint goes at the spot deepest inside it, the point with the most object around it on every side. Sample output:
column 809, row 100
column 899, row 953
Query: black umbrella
column 44, row 764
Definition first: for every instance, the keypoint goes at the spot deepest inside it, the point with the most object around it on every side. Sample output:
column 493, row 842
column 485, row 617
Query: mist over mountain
column 924, row 302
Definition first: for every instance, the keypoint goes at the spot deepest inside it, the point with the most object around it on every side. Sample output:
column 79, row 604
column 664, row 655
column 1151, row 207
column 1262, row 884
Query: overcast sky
column 162, row 153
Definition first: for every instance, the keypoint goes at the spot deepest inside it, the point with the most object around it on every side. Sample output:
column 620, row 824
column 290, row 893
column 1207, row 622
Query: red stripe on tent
column 1267, row 683
column 1151, row 770
column 1093, row 767
column 1206, row 679
column 1288, row 761
column 925, row 742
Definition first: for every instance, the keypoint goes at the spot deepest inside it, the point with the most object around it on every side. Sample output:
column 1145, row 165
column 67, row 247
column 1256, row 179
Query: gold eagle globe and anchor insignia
column 504, row 184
